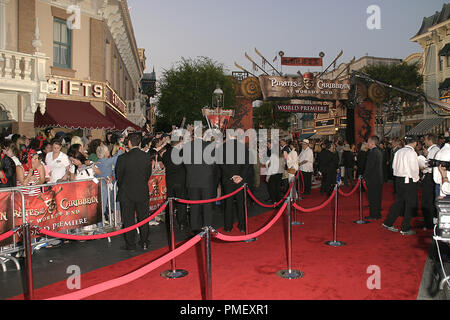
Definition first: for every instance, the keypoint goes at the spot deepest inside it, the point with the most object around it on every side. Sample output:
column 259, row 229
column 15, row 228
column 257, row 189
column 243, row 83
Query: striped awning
column 426, row 126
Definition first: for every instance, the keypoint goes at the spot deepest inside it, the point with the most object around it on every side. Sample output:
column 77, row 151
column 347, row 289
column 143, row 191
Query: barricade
column 8, row 251
column 335, row 242
column 207, row 232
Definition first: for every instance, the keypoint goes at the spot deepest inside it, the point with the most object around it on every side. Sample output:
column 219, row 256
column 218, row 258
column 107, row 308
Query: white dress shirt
column 275, row 165
column 306, row 155
column 444, row 155
column 292, row 162
column 406, row 164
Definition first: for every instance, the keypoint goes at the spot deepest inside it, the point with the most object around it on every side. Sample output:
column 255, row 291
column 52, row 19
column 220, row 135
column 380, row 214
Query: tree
column 267, row 118
column 187, row 88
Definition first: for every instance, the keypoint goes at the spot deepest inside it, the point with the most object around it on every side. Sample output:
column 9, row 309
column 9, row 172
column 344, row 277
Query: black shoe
column 126, row 248
column 372, row 218
column 145, row 246
column 242, row 230
column 410, row 232
column 228, row 230
column 390, row 228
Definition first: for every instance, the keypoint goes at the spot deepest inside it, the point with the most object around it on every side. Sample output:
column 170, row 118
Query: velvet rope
column 323, row 205
column 270, row 205
column 254, row 234
column 210, row 200
column 105, row 235
column 364, row 184
column 351, row 192
column 83, row 293
column 6, row 235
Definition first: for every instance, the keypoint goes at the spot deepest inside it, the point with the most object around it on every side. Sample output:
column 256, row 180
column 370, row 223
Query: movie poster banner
column 60, row 207
column 308, row 86
column 364, row 121
column 6, row 219
column 157, row 191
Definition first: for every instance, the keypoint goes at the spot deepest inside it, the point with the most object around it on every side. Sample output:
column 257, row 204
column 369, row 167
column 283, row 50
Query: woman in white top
column 81, row 168
column 57, row 162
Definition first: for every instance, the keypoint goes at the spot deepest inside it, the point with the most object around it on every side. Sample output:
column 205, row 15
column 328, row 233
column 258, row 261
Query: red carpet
column 243, row 271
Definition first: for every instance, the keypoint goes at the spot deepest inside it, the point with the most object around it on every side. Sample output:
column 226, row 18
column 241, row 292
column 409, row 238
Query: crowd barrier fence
column 207, row 233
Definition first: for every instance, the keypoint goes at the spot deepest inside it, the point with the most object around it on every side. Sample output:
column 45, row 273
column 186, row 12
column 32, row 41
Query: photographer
column 428, row 184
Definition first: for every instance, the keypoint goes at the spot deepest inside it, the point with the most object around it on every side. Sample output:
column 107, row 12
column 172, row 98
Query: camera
column 443, row 220
column 436, row 163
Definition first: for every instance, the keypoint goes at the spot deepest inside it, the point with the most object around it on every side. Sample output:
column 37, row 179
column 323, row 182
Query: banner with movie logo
column 157, row 191
column 58, row 208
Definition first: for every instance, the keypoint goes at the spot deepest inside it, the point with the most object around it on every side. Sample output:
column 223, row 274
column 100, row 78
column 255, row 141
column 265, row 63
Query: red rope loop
column 364, row 184
column 131, row 276
column 270, row 205
column 6, row 235
column 254, row 234
column 105, row 235
column 351, row 192
column 323, row 205
column 210, row 200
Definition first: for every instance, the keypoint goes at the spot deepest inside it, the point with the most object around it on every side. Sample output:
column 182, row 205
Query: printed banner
column 157, row 191
column 61, row 207
column 364, row 121
column 302, row 108
column 6, row 219
column 243, row 117
column 308, row 86
column 299, row 61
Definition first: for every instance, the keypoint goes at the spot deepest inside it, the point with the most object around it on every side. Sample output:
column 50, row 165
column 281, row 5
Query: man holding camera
column 406, row 173
column 428, row 184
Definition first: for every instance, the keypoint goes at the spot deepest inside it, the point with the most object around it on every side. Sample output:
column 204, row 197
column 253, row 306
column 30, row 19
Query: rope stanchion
column 223, row 237
column 297, row 198
column 83, row 293
column 173, row 273
column 102, row 236
column 208, row 275
column 246, row 215
column 323, row 205
column 335, row 242
column 209, row 200
column 289, row 273
column 351, row 192
column 28, row 262
column 361, row 220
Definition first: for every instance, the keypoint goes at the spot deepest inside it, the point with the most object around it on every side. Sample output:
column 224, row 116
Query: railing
column 17, row 65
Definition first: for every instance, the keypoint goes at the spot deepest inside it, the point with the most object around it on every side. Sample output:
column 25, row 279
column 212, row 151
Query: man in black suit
column 329, row 164
column 175, row 182
column 235, row 171
column 133, row 170
column 200, row 182
column 373, row 175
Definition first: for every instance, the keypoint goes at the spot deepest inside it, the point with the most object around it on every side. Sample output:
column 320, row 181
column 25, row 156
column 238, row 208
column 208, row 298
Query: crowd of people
column 130, row 159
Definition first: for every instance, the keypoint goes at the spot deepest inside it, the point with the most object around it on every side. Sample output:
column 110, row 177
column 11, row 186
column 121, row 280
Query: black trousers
column 348, row 177
column 130, row 211
column 275, row 187
column 428, row 198
column 307, row 176
column 201, row 214
column 374, row 195
column 229, row 206
column 328, row 182
column 405, row 203
column 178, row 190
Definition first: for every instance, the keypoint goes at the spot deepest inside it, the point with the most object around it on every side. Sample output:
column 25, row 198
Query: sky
column 225, row 30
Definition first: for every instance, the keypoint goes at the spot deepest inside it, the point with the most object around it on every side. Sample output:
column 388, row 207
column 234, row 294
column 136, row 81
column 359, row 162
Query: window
column 62, row 44
column 448, row 61
column 441, row 63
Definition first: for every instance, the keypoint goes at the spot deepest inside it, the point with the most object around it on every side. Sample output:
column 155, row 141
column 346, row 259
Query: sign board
column 308, row 86
column 302, row 108
column 299, row 61
column 324, row 123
